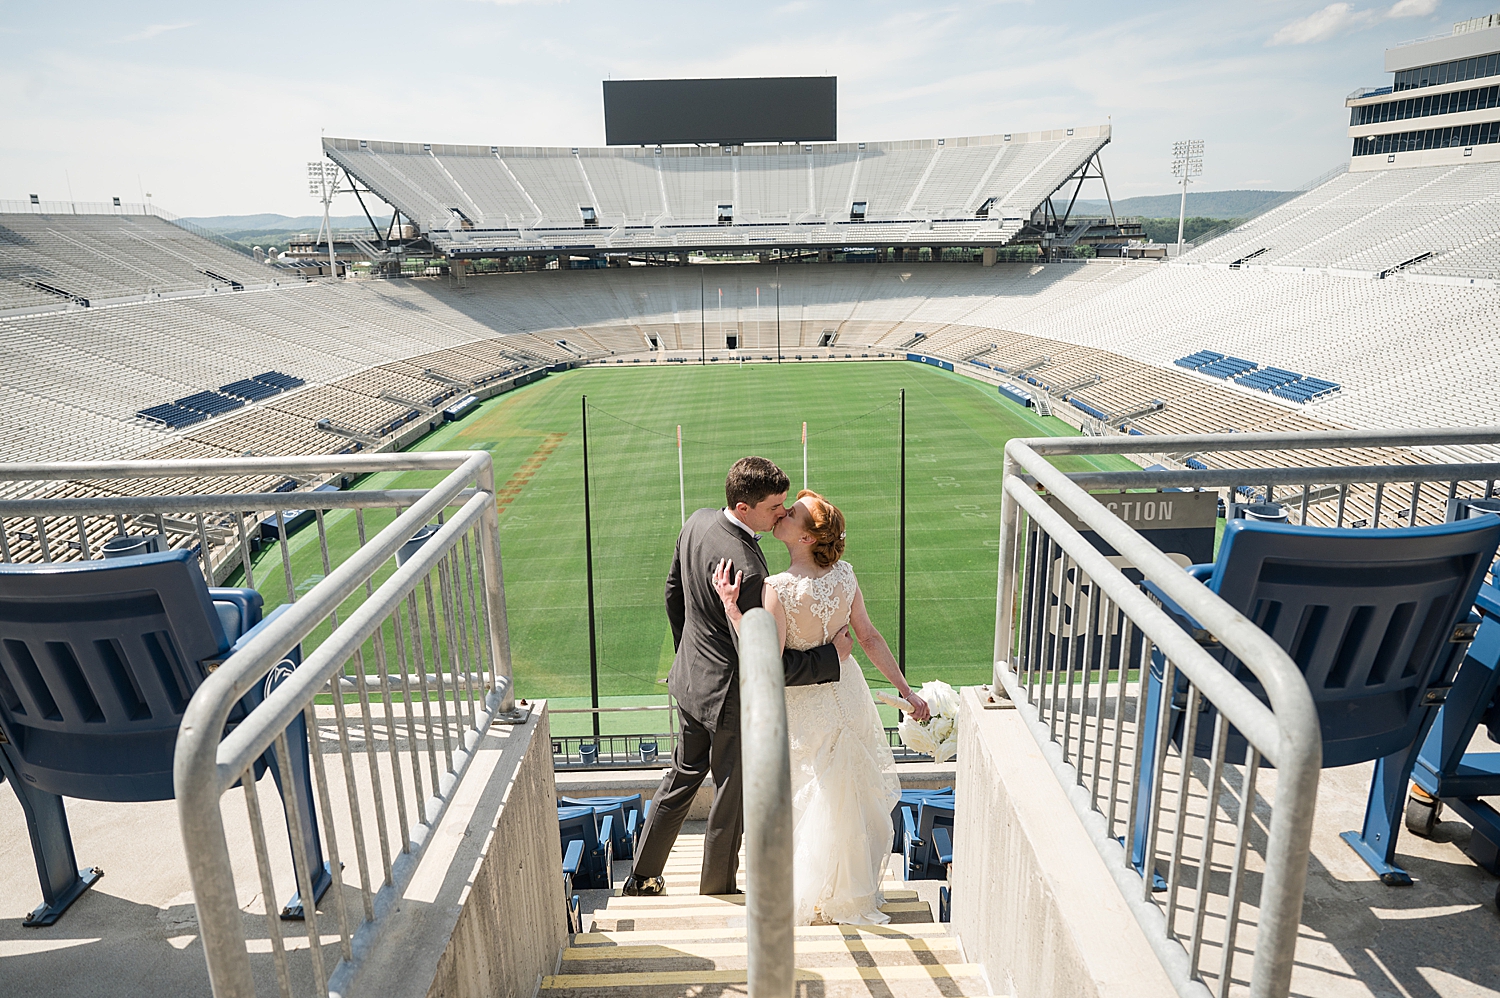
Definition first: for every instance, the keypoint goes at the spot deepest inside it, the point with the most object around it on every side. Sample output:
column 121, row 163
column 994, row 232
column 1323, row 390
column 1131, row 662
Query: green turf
column 956, row 432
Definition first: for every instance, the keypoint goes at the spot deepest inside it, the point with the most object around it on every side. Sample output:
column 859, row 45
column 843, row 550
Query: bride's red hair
column 826, row 527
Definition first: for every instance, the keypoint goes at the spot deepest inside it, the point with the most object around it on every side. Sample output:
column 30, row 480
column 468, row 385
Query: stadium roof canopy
column 473, row 201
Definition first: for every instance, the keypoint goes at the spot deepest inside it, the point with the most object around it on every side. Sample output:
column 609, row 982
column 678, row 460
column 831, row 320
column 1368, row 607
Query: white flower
column 937, row 736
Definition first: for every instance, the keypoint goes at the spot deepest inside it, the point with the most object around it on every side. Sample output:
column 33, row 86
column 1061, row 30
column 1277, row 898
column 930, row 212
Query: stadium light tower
column 1187, row 161
column 323, row 184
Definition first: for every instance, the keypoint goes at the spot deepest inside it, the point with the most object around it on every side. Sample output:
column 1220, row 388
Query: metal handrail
column 766, row 760
column 1288, row 733
column 1312, row 440
column 205, row 766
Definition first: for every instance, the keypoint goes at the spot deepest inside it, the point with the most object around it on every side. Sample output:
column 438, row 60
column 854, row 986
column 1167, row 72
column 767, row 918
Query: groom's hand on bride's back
column 843, row 641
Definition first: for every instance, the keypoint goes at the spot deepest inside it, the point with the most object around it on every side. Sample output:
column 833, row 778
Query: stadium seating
column 104, row 728
column 1371, row 695
column 101, row 257
column 927, row 838
column 470, row 197
column 580, row 824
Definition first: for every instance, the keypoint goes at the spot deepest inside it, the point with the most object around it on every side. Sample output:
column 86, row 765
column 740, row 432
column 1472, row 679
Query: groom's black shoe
column 645, row 887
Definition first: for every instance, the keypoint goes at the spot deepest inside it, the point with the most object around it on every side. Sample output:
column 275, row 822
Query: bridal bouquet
column 938, row 735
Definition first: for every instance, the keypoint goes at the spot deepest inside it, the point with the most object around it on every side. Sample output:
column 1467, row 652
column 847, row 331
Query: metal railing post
column 1005, row 585
column 768, row 809
column 494, row 598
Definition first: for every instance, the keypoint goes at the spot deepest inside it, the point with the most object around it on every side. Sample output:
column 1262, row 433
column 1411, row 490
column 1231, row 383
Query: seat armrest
column 238, row 643
column 1177, row 613
column 942, row 844
column 909, row 827
column 573, row 858
column 607, row 830
column 632, row 824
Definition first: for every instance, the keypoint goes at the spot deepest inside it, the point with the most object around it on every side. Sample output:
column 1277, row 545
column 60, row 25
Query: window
column 1448, row 72
column 726, row 214
column 590, row 217
column 857, row 211
column 1479, row 99
column 35, row 199
column 116, row 201
column 1486, row 133
column 984, row 209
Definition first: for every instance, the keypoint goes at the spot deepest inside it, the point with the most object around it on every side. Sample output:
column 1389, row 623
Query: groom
column 705, row 675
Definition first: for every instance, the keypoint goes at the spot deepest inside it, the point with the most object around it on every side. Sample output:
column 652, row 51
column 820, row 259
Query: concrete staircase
column 684, row 943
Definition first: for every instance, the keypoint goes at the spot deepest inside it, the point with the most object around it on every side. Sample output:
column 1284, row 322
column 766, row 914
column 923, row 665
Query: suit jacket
column 707, row 665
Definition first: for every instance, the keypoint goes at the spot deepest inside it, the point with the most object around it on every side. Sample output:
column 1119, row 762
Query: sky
column 216, row 108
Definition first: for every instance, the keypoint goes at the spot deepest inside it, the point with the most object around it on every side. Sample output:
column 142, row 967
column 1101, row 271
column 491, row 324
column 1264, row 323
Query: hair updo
column 826, row 527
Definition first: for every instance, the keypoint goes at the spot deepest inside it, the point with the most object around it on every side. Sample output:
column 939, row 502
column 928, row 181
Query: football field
column 956, row 430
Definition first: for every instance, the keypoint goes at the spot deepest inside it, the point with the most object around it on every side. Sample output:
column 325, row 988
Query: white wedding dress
column 844, row 782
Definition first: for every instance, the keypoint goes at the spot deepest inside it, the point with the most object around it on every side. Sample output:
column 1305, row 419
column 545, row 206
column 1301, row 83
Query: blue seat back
column 1369, row 616
column 622, row 830
column 98, row 660
column 914, row 798
column 922, row 860
column 579, row 824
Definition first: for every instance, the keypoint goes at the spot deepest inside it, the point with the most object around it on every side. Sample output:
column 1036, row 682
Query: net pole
column 588, row 560
column 778, row 313
column 702, row 319
column 681, row 486
column 901, row 550
column 804, row 454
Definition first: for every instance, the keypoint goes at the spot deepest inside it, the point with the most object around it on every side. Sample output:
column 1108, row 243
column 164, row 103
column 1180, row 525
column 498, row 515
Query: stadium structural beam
column 358, row 197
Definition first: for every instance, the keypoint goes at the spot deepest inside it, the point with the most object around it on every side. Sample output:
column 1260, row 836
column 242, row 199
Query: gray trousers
column 701, row 751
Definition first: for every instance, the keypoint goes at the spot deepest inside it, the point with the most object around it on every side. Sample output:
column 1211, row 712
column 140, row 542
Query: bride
column 844, row 781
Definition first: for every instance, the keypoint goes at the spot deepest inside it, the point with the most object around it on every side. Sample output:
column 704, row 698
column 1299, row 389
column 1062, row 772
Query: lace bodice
column 816, row 608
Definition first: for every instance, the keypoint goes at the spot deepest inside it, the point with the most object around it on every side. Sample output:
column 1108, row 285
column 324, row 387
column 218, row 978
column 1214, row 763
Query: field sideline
column 956, row 432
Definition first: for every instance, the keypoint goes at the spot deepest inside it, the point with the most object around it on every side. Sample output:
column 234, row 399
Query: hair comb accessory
column 843, row 534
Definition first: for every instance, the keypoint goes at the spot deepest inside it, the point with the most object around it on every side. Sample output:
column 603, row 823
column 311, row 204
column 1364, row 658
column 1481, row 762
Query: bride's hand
column 919, row 709
column 728, row 590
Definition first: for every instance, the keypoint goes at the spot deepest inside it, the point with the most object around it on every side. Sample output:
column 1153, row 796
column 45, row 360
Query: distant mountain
column 282, row 223
column 1204, row 204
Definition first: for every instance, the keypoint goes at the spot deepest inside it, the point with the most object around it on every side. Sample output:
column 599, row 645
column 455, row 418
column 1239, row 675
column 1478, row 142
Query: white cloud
column 154, row 30
column 1412, row 8
column 1339, row 18
column 1321, row 25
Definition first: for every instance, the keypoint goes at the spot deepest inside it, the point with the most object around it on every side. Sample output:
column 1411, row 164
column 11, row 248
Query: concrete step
column 913, row 981
column 810, row 933
column 853, row 951
column 718, row 913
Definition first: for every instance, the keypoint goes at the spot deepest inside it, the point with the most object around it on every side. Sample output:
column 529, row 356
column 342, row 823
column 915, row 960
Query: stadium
column 449, row 456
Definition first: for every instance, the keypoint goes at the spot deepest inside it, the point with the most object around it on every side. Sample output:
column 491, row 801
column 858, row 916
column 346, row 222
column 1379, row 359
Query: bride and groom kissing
column 844, row 784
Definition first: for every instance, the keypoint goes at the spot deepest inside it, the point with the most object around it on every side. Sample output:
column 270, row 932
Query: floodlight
column 1187, row 162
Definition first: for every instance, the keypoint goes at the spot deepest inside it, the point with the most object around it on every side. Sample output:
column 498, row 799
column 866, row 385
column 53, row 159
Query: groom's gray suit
column 705, row 681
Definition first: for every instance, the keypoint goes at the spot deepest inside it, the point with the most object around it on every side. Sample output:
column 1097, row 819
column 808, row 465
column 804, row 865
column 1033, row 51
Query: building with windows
column 1441, row 107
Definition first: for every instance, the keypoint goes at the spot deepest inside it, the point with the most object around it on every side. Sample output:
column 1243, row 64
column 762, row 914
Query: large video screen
column 727, row 112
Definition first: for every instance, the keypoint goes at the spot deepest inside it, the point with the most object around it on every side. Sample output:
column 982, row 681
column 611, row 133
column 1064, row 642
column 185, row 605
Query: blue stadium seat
column 1373, row 618
column 1449, row 770
column 250, row 390
column 914, row 798
column 627, row 816
column 927, row 839
column 595, row 867
column 98, row 660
